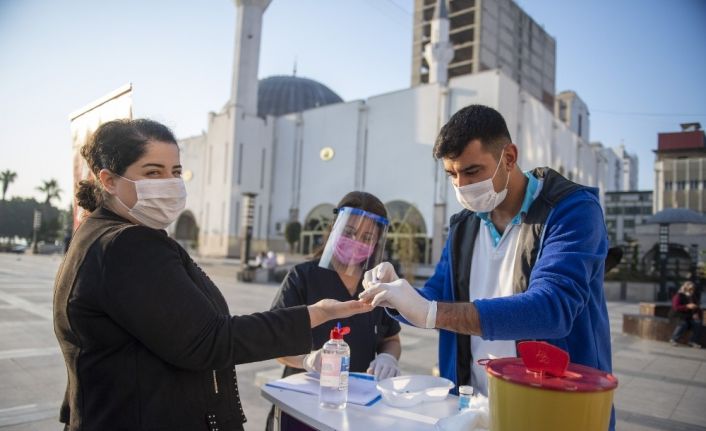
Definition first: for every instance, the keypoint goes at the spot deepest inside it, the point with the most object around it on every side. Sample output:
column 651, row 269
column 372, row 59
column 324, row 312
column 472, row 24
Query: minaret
column 439, row 52
column 247, row 53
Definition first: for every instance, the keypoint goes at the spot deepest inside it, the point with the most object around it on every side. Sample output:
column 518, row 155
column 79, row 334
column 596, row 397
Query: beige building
column 680, row 169
column 489, row 34
column 571, row 110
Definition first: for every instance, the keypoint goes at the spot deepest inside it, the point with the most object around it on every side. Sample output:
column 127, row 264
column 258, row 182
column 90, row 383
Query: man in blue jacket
column 523, row 260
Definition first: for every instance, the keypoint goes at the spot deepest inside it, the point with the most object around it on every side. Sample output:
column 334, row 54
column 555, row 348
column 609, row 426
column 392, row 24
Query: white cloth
column 492, row 271
column 475, row 418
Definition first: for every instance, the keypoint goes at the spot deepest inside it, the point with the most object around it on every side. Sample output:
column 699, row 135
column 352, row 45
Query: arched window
column 186, row 232
column 315, row 227
column 407, row 239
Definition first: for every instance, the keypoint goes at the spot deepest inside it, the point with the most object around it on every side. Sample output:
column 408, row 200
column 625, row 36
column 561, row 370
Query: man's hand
column 312, row 361
column 383, row 273
column 329, row 309
column 402, row 296
column 383, row 366
column 691, row 306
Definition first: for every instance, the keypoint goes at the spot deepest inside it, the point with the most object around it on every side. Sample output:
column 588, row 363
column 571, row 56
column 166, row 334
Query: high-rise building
column 619, row 168
column 629, row 168
column 489, row 34
column 680, row 169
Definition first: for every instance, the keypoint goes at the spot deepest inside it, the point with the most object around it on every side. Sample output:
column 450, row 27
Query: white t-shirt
column 492, row 271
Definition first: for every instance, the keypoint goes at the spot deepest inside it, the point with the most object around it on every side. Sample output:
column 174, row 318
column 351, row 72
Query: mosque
column 287, row 148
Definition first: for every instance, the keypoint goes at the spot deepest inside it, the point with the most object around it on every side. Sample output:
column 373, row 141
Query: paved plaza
column 661, row 387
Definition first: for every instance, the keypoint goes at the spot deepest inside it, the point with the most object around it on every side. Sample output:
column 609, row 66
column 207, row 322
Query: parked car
column 18, row 249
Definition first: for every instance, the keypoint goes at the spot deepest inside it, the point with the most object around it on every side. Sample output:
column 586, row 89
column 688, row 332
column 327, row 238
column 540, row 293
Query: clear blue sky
column 638, row 64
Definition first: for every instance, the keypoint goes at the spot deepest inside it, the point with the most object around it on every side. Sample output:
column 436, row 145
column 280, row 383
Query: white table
column 379, row 416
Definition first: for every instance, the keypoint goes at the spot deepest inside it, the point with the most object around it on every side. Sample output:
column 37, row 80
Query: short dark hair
column 472, row 122
column 115, row 145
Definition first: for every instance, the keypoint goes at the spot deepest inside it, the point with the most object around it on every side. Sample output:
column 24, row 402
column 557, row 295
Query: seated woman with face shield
column 355, row 244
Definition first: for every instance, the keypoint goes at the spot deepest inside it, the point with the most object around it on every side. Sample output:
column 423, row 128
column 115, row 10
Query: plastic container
column 335, row 362
column 542, row 391
column 407, row 391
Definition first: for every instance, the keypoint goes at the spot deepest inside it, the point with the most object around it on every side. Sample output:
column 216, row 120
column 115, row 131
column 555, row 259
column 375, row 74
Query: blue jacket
column 562, row 300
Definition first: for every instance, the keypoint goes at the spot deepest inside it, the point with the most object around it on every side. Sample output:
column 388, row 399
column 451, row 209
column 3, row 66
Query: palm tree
column 7, row 177
column 51, row 189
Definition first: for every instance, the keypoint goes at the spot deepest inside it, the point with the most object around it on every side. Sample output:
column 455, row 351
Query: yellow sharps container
column 541, row 391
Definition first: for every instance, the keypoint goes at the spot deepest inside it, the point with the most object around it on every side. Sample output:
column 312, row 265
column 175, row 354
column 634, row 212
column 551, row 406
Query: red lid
column 337, row 332
column 545, row 366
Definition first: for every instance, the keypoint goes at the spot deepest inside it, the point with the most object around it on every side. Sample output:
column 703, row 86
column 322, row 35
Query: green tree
column 291, row 233
column 7, row 177
column 51, row 190
column 17, row 215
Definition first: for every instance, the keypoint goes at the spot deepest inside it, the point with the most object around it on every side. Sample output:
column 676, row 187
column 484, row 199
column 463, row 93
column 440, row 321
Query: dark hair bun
column 88, row 195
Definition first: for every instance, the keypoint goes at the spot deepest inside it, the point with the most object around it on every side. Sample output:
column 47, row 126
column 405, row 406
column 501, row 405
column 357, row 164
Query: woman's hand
column 329, row 309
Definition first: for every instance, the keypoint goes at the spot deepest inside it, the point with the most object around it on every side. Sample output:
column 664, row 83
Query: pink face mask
column 349, row 251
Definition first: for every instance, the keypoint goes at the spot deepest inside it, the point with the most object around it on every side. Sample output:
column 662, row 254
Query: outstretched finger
column 370, row 293
column 352, row 307
column 380, row 299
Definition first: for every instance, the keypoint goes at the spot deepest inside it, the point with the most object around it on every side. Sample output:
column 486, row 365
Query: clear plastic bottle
column 335, row 361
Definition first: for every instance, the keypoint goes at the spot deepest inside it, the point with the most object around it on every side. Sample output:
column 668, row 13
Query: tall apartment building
column 680, row 169
column 630, row 167
column 624, row 211
column 490, row 34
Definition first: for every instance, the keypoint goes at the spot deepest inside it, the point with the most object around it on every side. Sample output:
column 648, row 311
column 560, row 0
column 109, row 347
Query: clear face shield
column 356, row 242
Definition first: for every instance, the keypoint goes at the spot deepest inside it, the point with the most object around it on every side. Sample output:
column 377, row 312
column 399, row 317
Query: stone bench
column 654, row 326
column 658, row 309
column 648, row 327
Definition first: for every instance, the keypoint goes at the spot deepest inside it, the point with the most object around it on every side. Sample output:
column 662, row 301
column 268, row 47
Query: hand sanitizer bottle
column 335, row 361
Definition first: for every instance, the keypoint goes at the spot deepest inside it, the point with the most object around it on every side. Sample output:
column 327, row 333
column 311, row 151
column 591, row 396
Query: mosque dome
column 279, row 95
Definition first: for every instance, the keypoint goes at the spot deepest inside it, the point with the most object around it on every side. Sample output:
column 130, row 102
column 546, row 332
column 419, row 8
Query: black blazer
column 147, row 337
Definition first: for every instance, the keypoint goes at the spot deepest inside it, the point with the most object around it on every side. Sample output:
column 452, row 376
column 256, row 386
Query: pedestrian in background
column 685, row 307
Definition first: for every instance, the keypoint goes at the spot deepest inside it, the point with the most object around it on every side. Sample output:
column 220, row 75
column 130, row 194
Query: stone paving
column 661, row 387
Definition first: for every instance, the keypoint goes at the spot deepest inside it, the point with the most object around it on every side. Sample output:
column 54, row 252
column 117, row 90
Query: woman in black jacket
column 147, row 337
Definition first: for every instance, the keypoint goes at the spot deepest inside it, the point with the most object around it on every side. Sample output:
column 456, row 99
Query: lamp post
column 663, row 253
column 36, row 224
column 246, row 274
column 694, row 268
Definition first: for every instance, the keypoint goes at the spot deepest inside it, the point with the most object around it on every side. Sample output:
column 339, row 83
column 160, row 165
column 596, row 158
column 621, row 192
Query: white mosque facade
column 299, row 164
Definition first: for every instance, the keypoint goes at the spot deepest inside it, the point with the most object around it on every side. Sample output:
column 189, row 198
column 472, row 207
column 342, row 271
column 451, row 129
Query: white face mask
column 481, row 197
column 159, row 201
